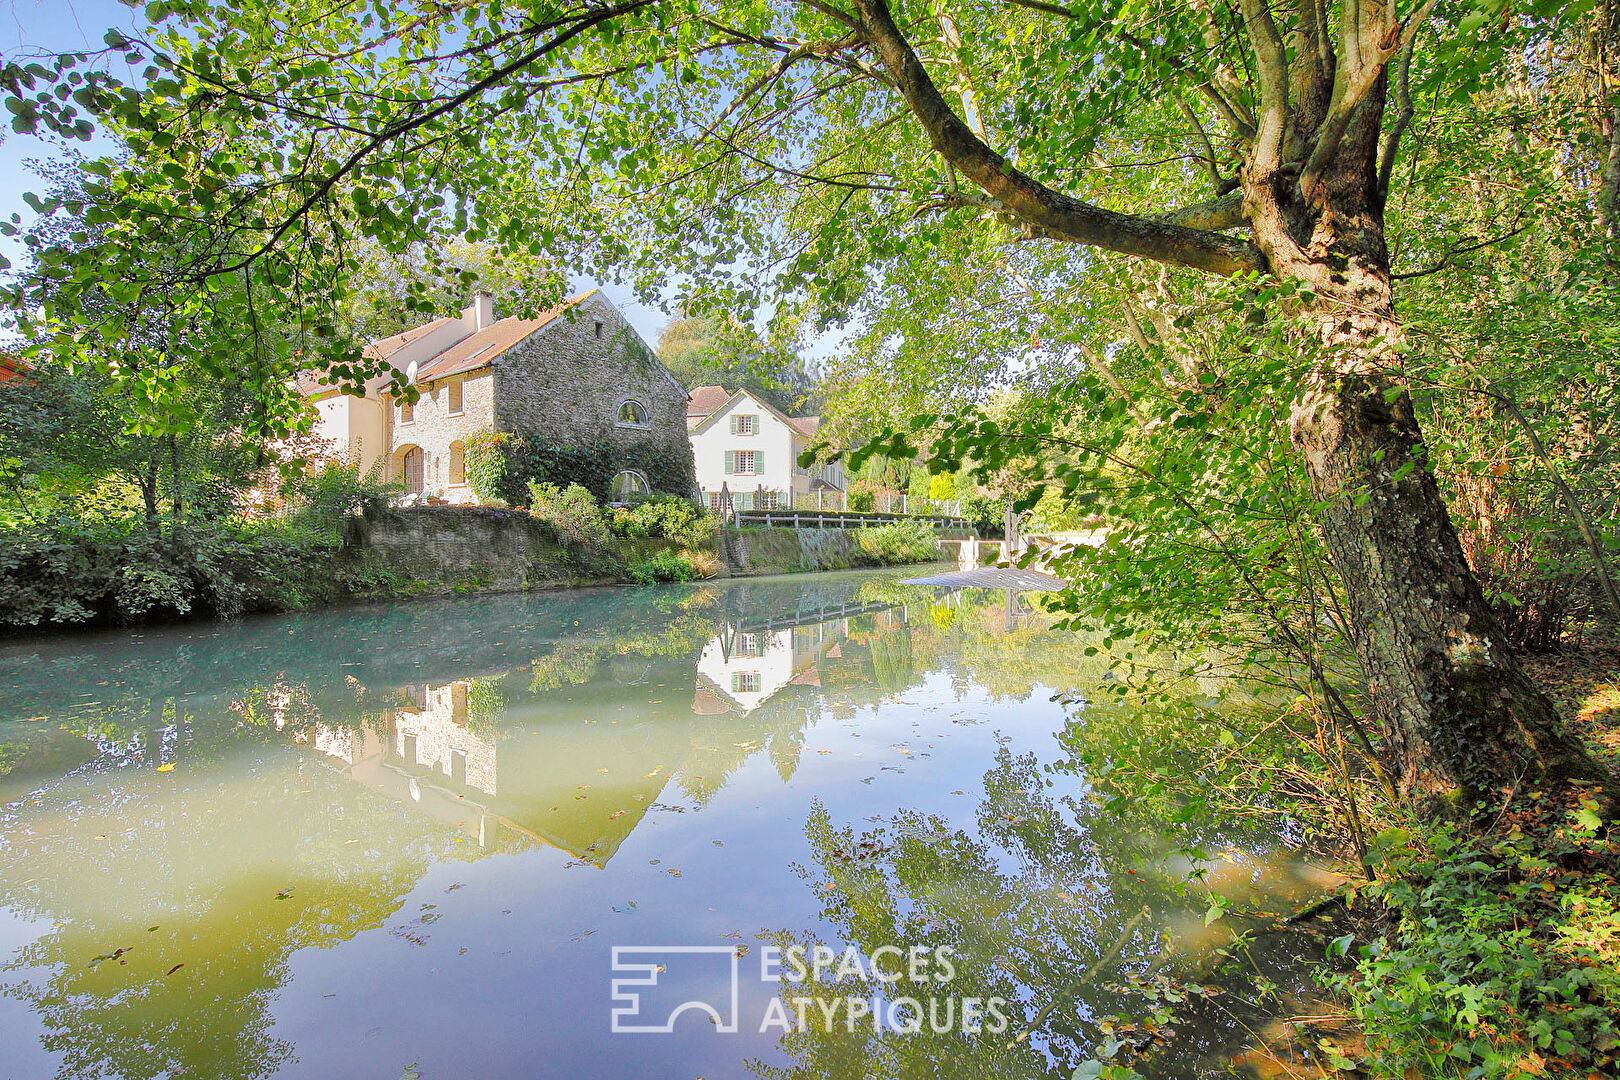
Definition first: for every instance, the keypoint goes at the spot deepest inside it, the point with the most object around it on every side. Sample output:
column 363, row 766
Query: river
column 519, row 836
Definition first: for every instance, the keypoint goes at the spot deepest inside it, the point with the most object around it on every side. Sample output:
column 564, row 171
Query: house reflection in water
column 511, row 764
column 751, row 660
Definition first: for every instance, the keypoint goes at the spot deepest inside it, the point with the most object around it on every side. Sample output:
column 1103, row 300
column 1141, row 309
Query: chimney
column 480, row 313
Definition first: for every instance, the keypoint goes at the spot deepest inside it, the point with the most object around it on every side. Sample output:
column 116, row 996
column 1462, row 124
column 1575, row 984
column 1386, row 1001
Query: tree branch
column 1403, row 114
column 393, row 131
column 1364, row 52
column 1214, row 215
column 1451, row 253
column 1057, row 214
column 1272, row 59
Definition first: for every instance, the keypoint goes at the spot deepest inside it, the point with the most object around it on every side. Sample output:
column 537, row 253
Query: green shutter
column 731, row 462
column 759, row 463
column 734, row 423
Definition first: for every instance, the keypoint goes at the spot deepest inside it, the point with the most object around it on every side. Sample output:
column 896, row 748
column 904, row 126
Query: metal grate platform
column 994, row 577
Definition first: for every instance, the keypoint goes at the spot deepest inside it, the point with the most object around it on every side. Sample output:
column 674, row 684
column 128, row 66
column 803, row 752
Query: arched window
column 632, row 414
column 628, row 485
column 458, row 463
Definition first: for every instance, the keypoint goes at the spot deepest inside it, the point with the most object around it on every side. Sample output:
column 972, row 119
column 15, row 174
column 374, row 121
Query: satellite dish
column 410, row 372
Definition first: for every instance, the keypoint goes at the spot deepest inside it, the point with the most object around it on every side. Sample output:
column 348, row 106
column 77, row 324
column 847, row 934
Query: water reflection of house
column 743, row 669
column 430, row 731
column 510, row 763
column 543, row 777
column 749, row 662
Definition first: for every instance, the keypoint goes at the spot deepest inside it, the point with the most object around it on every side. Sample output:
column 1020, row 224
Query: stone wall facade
column 566, row 385
column 441, row 433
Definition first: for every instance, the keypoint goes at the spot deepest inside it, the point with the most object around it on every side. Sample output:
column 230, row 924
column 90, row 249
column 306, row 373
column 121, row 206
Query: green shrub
column 663, row 566
column 497, row 467
column 898, row 542
column 324, row 497
column 68, row 572
column 664, row 517
column 1506, row 951
column 573, row 514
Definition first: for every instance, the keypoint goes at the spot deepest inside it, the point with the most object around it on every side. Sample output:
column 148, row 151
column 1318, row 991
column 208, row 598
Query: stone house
column 752, row 448
column 579, row 375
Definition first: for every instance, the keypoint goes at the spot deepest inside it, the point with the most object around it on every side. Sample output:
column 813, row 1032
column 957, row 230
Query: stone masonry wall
column 503, row 549
column 565, row 385
column 434, row 427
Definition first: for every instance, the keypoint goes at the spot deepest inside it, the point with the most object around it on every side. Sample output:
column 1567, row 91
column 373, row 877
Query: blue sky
column 31, row 27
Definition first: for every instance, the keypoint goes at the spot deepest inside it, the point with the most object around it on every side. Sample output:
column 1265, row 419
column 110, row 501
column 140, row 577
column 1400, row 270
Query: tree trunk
column 1456, row 709
column 177, row 504
column 148, row 483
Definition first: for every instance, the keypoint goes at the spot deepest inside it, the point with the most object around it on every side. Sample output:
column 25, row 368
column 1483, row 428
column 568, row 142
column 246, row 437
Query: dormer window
column 746, row 424
column 632, row 414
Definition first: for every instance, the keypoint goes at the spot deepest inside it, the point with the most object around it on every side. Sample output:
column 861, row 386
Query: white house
column 752, row 448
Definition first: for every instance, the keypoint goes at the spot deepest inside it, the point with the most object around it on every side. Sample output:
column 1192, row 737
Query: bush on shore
column 66, row 570
column 664, row 517
column 663, row 566
column 898, row 542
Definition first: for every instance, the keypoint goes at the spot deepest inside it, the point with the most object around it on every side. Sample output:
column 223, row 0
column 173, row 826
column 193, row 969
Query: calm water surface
column 403, row 841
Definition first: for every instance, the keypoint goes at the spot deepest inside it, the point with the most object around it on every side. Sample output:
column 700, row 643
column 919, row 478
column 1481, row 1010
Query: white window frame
column 640, row 425
column 737, row 463
column 646, row 485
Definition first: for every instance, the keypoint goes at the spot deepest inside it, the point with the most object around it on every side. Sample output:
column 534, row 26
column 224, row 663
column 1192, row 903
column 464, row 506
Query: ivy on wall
column 501, row 464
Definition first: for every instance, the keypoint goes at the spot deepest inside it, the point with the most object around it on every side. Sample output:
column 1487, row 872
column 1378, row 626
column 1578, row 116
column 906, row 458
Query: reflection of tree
column 1039, row 906
column 225, row 871
column 559, row 687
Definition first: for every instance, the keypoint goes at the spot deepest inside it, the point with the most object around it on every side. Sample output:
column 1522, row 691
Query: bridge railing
column 836, row 519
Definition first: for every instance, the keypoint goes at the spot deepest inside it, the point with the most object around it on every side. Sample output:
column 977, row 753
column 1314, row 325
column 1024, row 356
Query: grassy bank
column 1478, row 949
column 1491, row 948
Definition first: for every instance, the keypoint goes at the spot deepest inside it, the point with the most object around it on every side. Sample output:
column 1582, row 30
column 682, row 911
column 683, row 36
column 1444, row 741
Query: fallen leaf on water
column 284, row 894
column 174, row 969
column 151, row 929
column 166, row 768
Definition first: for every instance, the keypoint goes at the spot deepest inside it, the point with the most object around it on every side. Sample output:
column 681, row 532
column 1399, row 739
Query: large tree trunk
column 1456, row 709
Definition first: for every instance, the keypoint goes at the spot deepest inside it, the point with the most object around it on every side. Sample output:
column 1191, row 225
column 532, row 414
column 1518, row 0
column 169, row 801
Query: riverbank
column 1490, row 951
column 260, row 567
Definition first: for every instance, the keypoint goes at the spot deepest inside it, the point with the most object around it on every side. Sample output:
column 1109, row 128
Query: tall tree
column 712, row 350
column 845, row 144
